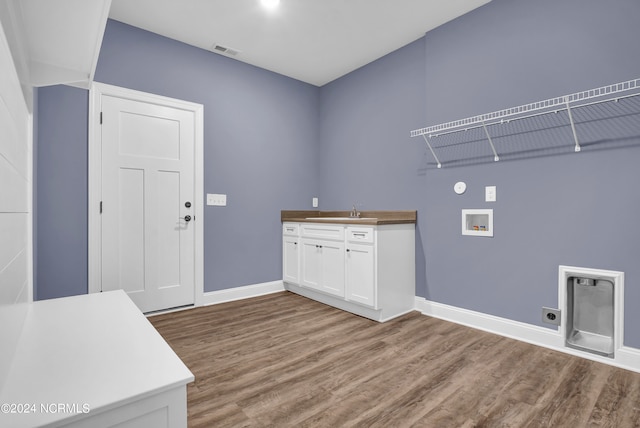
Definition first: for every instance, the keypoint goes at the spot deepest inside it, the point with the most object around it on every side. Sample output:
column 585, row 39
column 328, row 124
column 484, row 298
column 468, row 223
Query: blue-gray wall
column 271, row 143
column 366, row 155
column 260, row 148
column 61, row 193
column 571, row 209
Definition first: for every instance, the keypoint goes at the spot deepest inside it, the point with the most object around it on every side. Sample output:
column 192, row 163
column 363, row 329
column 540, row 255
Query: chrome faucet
column 354, row 212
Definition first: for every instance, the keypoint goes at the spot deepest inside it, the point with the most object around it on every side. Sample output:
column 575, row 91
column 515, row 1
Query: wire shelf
column 584, row 118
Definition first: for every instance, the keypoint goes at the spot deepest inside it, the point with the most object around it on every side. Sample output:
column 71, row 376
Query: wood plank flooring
column 282, row 360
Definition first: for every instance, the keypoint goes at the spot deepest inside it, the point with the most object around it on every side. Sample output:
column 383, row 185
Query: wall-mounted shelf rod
column 528, row 116
column 510, row 113
column 571, row 103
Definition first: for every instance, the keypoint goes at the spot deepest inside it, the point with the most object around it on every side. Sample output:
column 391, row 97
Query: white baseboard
column 238, row 293
column 625, row 357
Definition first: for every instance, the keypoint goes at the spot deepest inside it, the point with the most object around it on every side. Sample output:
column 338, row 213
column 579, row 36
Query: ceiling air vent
column 224, row 50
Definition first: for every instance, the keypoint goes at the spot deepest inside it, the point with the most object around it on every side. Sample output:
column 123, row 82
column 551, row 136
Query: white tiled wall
column 15, row 206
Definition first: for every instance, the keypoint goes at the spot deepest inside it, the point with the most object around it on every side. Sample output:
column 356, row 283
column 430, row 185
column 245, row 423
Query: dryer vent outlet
column 551, row 316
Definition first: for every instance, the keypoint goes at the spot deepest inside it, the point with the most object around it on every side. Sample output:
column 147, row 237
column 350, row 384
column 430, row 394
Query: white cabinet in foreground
column 93, row 361
column 366, row 270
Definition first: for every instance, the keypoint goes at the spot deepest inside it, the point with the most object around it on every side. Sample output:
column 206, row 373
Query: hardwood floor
column 282, row 360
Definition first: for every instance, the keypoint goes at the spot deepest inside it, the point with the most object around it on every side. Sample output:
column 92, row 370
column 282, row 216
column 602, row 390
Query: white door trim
column 95, row 179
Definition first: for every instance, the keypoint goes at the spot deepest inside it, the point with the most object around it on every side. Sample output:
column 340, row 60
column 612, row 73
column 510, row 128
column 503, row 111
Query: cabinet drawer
column 360, row 234
column 323, row 231
column 290, row 229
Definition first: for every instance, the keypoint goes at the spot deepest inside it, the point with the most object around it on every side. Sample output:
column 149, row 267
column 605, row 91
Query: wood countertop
column 371, row 218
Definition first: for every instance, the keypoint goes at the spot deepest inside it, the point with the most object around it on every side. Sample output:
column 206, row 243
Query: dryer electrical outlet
column 490, row 194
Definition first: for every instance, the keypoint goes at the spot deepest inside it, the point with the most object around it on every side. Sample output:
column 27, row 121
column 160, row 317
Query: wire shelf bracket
column 531, row 110
column 573, row 127
column 426, row 139
column 496, row 158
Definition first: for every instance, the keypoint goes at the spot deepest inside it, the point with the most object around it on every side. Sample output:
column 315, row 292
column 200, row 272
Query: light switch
column 490, row 194
column 314, row 202
column 217, row 199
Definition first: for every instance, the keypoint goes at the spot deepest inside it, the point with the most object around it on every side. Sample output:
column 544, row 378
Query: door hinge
column 100, row 118
column 100, row 207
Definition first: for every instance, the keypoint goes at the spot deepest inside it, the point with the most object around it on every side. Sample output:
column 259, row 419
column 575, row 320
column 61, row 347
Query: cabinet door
column 360, row 274
column 332, row 268
column 290, row 258
column 310, row 263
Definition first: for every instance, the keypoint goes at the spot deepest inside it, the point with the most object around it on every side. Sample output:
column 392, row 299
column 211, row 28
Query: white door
column 148, row 199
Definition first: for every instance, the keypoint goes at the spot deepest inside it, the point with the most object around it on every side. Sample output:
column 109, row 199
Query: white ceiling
column 315, row 41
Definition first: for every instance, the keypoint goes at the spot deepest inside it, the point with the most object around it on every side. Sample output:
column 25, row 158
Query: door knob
column 186, row 218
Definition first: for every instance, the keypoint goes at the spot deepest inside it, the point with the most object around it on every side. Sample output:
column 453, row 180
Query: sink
column 342, row 218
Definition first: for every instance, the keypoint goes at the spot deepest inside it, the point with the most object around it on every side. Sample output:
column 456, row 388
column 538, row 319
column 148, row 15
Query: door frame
column 95, row 179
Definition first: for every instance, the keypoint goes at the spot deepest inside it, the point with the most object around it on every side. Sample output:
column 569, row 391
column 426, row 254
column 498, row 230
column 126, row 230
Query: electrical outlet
column 314, row 202
column 490, row 194
column 551, row 316
column 217, row 199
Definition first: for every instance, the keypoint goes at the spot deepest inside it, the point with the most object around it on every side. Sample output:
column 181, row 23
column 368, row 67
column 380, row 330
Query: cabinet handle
column 359, row 234
column 348, row 250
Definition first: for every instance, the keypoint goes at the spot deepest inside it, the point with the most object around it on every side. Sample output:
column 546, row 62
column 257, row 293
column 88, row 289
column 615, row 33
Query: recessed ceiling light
column 270, row 4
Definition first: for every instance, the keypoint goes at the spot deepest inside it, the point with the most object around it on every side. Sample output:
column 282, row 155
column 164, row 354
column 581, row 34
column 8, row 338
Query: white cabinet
column 290, row 258
column 290, row 253
column 310, row 266
column 322, row 258
column 360, row 274
column 367, row 270
column 332, row 267
column 360, row 265
column 100, row 357
column 322, row 265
